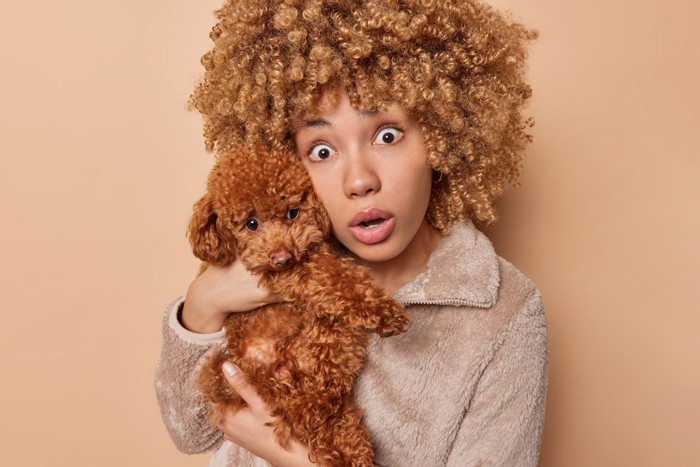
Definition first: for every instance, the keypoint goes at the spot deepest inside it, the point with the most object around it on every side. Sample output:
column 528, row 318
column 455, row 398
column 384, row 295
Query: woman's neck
column 398, row 271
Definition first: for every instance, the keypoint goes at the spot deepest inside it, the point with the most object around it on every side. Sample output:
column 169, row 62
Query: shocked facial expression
column 369, row 169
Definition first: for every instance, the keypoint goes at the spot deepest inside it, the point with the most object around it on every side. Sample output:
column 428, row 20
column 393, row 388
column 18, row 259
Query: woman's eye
column 321, row 152
column 292, row 214
column 388, row 135
column 251, row 224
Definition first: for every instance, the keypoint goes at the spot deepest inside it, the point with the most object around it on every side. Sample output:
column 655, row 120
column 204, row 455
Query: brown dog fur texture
column 301, row 355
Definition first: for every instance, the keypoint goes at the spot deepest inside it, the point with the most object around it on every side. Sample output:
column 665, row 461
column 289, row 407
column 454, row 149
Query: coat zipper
column 451, row 302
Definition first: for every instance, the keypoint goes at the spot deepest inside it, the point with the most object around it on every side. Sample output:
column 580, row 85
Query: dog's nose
column 282, row 259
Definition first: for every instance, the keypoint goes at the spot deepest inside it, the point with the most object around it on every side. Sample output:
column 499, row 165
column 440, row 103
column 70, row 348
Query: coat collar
column 463, row 270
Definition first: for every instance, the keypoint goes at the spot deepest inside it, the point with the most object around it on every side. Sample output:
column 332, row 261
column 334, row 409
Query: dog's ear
column 320, row 213
column 211, row 241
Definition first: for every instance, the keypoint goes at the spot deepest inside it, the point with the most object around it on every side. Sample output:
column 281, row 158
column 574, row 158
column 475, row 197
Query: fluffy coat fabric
column 464, row 386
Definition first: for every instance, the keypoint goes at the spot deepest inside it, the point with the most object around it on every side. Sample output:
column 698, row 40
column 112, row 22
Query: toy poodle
column 302, row 355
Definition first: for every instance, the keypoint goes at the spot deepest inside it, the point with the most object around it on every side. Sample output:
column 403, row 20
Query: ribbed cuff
column 187, row 335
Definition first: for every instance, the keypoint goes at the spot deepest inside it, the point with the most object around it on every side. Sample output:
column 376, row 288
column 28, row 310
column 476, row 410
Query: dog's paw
column 393, row 326
column 389, row 319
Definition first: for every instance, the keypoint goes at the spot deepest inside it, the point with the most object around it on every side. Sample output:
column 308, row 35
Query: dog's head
column 260, row 208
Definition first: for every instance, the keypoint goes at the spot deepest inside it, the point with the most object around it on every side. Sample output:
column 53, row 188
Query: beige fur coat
column 465, row 386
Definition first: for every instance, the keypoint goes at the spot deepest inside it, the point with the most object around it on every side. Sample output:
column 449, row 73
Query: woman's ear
column 210, row 242
column 320, row 213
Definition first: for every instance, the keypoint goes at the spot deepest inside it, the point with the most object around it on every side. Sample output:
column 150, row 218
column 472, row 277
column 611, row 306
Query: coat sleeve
column 182, row 353
column 503, row 422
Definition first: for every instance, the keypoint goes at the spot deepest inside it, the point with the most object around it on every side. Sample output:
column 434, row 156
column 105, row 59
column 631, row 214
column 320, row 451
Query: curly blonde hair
column 458, row 67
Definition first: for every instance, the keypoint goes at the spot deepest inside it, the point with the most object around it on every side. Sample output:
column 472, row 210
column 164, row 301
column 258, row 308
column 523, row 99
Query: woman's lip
column 375, row 233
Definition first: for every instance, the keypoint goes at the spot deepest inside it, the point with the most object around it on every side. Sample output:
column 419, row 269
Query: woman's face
column 370, row 171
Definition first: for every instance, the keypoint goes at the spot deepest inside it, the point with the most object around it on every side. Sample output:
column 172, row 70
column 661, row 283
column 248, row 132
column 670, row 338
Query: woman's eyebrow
column 316, row 122
column 321, row 122
column 366, row 113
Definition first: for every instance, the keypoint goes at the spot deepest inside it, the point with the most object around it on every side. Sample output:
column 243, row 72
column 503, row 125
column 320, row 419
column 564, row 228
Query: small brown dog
column 301, row 355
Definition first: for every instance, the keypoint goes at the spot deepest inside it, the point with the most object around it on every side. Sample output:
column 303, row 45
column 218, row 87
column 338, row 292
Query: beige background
column 101, row 164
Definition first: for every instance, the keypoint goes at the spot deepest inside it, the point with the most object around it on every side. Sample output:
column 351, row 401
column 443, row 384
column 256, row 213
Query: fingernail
column 230, row 368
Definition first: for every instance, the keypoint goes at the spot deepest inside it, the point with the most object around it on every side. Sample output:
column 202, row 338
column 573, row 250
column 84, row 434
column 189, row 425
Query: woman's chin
column 374, row 253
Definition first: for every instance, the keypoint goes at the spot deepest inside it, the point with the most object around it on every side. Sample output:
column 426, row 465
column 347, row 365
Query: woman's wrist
column 200, row 316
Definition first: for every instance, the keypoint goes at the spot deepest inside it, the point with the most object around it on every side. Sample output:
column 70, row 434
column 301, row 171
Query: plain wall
column 101, row 165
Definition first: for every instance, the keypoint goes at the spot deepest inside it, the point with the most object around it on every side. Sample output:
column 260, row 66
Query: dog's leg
column 321, row 413
column 345, row 441
column 214, row 388
column 338, row 289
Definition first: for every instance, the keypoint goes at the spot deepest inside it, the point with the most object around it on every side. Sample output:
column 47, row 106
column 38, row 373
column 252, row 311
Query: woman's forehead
column 337, row 106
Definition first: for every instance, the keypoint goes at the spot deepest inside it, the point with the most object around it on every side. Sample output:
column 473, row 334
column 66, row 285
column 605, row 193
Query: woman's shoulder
column 466, row 272
column 471, row 294
column 504, row 289
column 517, row 292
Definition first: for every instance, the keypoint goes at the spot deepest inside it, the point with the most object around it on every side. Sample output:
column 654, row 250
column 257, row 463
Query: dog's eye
column 251, row 224
column 292, row 214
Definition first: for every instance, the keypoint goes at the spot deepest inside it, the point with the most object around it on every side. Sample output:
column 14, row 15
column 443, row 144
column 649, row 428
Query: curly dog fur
column 302, row 355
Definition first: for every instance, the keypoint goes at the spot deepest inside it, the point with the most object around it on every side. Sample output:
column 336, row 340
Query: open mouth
column 372, row 226
column 372, row 223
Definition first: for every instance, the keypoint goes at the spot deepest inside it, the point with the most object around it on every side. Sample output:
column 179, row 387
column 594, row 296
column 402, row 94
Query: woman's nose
column 361, row 177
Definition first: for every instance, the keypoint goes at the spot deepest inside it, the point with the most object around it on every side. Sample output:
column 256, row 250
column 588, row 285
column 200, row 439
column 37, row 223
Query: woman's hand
column 219, row 291
column 249, row 427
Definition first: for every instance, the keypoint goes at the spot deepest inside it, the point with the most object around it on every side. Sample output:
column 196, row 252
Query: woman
column 407, row 116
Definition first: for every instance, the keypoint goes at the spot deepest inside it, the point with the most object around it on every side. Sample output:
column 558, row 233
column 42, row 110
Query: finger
column 242, row 386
